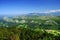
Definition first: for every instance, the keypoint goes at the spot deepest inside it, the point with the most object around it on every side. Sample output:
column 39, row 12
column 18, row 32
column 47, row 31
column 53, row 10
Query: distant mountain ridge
column 44, row 14
column 35, row 14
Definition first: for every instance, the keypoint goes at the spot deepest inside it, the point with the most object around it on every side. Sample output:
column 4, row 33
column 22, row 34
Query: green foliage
column 30, row 28
column 15, row 33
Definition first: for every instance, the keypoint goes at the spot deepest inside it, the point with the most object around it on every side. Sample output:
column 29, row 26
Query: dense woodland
column 30, row 28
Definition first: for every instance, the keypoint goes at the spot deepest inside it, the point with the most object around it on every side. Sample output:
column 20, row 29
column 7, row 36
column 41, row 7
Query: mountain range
column 44, row 14
column 36, row 14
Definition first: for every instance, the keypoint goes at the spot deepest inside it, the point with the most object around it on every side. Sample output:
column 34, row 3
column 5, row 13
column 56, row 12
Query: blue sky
column 17, row 7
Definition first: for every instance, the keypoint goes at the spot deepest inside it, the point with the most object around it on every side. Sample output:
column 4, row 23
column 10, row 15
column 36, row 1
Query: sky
column 18, row 7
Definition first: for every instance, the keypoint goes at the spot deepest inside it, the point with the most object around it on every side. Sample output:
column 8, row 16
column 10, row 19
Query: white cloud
column 52, row 11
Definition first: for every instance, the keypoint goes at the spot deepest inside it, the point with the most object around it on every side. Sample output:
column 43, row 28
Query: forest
column 30, row 28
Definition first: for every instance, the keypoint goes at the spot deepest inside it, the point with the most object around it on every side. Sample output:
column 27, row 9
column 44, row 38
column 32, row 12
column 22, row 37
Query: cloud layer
column 50, row 11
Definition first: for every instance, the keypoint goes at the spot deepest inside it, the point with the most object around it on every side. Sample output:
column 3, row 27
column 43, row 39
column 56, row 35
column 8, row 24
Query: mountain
column 55, row 13
column 44, row 14
column 37, row 14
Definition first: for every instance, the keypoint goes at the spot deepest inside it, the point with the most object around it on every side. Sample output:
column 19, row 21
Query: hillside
column 44, row 22
column 30, row 28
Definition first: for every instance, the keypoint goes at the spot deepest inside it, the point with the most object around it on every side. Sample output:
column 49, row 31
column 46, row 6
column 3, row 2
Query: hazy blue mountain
column 55, row 14
column 34, row 14
column 44, row 14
